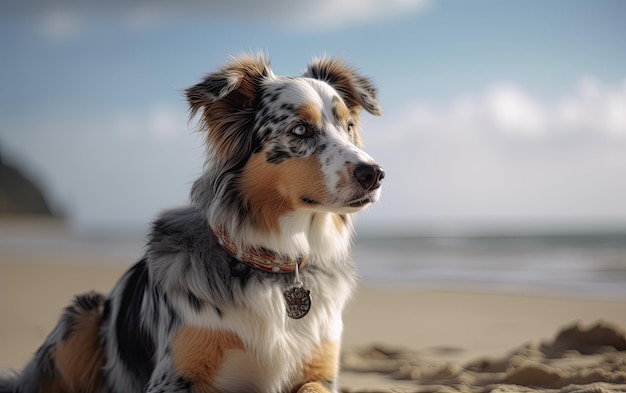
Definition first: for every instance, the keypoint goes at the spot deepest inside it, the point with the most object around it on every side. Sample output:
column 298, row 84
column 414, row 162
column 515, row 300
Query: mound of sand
column 578, row 359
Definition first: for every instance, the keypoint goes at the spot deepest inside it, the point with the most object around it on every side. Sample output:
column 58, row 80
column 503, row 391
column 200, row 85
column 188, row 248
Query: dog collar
column 261, row 259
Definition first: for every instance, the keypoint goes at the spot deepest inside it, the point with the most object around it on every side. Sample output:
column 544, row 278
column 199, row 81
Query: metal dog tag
column 297, row 301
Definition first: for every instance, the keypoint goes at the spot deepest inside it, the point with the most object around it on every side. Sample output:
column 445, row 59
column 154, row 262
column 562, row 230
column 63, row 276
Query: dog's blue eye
column 300, row 130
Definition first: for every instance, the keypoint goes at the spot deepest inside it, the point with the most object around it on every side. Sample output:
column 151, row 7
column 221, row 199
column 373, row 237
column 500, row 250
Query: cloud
column 502, row 152
column 332, row 14
column 506, row 108
column 293, row 15
column 60, row 25
column 510, row 109
column 594, row 107
column 64, row 20
column 161, row 123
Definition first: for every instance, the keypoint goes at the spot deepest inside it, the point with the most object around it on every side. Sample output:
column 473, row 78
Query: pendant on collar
column 297, row 298
column 297, row 301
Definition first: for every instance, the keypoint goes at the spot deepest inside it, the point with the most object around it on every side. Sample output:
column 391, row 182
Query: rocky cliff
column 19, row 194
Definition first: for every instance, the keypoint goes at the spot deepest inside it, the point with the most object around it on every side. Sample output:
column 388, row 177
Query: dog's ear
column 356, row 90
column 227, row 100
column 234, row 85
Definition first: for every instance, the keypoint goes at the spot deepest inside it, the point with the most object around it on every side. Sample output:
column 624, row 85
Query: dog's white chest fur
column 276, row 346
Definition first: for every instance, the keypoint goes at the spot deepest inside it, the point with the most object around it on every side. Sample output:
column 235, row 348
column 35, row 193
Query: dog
column 243, row 289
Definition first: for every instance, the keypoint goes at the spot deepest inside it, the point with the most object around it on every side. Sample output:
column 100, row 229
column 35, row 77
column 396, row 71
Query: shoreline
column 584, row 266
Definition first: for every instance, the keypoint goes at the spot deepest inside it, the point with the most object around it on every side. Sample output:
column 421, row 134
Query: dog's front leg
column 313, row 387
column 321, row 371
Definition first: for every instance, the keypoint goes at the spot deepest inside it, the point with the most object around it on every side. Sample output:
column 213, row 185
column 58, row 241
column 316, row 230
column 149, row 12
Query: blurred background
column 503, row 139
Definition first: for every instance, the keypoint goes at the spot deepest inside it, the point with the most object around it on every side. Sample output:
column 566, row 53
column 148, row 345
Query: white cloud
column 594, row 107
column 165, row 123
column 61, row 24
column 505, row 108
column 502, row 152
column 512, row 110
column 66, row 19
column 161, row 123
column 332, row 14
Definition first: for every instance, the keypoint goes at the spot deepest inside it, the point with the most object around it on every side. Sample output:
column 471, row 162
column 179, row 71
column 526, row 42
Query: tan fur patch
column 344, row 178
column 198, row 354
column 340, row 222
column 221, row 123
column 343, row 114
column 311, row 114
column 78, row 358
column 275, row 189
column 356, row 119
column 324, row 364
column 341, row 111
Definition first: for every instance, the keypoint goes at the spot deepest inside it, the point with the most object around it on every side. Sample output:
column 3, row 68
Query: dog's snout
column 369, row 176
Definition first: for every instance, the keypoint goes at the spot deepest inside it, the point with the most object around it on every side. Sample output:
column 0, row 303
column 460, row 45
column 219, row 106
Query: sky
column 494, row 111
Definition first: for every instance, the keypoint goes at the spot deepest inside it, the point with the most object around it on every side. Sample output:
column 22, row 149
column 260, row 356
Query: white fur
column 276, row 343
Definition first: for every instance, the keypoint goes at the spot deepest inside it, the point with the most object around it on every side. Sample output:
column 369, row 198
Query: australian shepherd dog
column 242, row 290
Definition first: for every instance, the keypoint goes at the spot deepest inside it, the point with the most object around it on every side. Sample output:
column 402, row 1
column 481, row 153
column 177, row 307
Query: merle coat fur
column 285, row 172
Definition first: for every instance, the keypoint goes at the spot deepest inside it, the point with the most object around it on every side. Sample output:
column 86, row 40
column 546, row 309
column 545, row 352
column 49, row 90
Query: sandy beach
column 396, row 339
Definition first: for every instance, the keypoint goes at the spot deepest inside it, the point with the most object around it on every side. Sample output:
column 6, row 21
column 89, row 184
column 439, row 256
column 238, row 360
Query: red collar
column 257, row 258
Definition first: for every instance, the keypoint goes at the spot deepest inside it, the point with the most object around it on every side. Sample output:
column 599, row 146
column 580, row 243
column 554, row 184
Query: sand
column 395, row 339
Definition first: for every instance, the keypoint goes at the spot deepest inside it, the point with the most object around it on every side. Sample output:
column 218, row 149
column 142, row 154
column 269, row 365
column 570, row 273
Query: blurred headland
column 21, row 196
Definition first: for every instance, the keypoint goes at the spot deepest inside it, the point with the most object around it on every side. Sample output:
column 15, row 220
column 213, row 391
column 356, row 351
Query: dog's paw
column 313, row 387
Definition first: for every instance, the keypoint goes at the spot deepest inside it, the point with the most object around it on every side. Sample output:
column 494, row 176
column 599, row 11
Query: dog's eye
column 300, row 130
column 350, row 128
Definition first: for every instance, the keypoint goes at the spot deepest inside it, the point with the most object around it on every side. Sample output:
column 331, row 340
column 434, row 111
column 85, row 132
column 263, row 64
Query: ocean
column 575, row 264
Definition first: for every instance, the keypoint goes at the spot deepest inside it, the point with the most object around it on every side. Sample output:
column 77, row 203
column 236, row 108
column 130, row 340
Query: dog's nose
column 369, row 176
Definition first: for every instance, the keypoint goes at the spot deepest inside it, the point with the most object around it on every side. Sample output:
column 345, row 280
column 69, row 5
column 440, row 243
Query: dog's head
column 288, row 143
